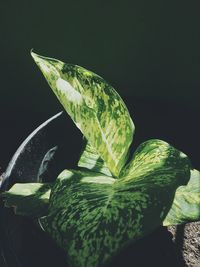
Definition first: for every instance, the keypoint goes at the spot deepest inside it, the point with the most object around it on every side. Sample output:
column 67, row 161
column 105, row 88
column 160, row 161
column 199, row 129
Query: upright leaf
column 93, row 216
column 186, row 204
column 94, row 106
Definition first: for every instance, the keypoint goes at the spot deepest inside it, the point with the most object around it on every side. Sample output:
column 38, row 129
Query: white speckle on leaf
column 45, row 69
column 70, row 93
column 182, row 155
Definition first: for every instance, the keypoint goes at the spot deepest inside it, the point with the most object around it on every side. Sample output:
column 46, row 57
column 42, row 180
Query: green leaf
column 186, row 204
column 94, row 106
column 92, row 161
column 93, row 216
column 31, row 199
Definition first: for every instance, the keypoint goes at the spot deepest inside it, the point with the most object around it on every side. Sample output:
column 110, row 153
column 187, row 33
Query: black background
column 148, row 50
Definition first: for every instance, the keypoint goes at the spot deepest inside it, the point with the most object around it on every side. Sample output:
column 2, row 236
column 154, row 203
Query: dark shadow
column 154, row 250
column 24, row 244
column 179, row 240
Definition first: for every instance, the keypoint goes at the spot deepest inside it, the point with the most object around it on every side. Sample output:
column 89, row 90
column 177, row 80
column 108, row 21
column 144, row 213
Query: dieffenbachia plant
column 109, row 200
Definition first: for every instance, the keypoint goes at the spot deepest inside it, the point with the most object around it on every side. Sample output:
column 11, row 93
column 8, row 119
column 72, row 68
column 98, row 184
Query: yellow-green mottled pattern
column 186, row 204
column 93, row 216
column 28, row 199
column 152, row 157
column 92, row 161
column 94, row 106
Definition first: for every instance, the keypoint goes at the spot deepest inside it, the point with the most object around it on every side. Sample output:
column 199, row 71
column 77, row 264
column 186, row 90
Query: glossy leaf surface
column 95, row 107
column 186, row 204
column 93, row 216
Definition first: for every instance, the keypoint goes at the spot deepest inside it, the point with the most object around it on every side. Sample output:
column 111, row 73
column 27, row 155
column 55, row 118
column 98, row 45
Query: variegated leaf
column 28, row 199
column 92, row 161
column 93, row 216
column 94, row 106
column 186, row 204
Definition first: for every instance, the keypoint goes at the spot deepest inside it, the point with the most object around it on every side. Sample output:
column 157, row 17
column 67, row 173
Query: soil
column 186, row 239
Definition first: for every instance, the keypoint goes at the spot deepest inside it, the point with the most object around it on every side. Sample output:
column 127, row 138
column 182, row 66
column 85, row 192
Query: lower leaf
column 28, row 199
column 186, row 204
column 93, row 216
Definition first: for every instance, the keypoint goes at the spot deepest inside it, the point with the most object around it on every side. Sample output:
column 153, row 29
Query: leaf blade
column 94, row 106
column 186, row 204
column 90, row 160
column 91, row 214
column 28, row 199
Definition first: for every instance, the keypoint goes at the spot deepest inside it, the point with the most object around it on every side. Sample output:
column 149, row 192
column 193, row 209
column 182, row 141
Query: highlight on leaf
column 92, row 161
column 95, row 107
column 28, row 199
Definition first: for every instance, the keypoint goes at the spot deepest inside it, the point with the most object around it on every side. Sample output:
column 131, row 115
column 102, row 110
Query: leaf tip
column 33, row 54
column 36, row 57
column 42, row 62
